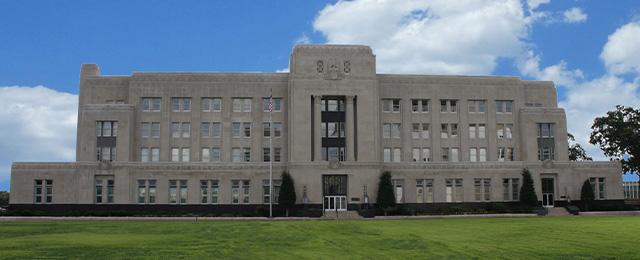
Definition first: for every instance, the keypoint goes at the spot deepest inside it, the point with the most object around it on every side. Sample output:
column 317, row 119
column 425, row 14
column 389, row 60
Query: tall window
column 598, row 185
column 148, row 154
column 276, row 154
column 505, row 131
column 43, row 191
column 106, row 132
column 392, row 154
column 106, row 128
column 146, row 191
column 209, row 191
column 104, row 190
column 419, row 130
column 419, row 105
column 450, row 154
column 210, row 154
column 482, row 189
column 178, row 191
column 241, row 104
column 211, row 104
column 241, row 130
column 391, row 105
column 398, row 190
column 477, row 131
column 240, row 191
column 477, row 106
column 182, row 104
column 546, row 153
column 505, row 154
column 150, row 104
column 510, row 189
column 453, row 190
column 448, row 105
column 424, row 190
column 276, row 191
column 277, row 104
column 504, row 106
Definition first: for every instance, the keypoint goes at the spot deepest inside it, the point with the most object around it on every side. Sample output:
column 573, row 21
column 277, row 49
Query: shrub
column 287, row 195
column 385, row 198
column 528, row 195
column 586, row 195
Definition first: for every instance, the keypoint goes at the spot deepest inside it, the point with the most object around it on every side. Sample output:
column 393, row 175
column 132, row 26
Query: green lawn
column 510, row 238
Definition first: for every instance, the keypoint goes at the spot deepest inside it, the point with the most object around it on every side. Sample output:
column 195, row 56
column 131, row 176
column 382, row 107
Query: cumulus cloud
column 36, row 124
column 574, row 15
column 433, row 37
column 621, row 53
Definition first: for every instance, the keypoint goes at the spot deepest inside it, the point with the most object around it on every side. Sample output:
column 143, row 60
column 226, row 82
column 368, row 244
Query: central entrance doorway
column 334, row 192
column 547, row 192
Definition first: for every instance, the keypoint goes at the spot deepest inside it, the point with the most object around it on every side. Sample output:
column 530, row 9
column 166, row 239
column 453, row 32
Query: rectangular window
column 415, row 130
column 241, row 104
column 236, row 155
column 155, row 154
column 181, row 104
column 477, row 106
column 266, row 191
column 142, row 191
column 448, row 105
column 426, row 154
column 453, row 190
column 146, row 191
column 481, row 131
column 151, row 104
column 545, row 130
column 245, row 191
column 173, row 191
column 500, row 131
column 472, row 131
column 445, row 154
column 185, row 154
column 386, row 154
column 205, row 129
column 180, row 129
column 420, row 105
column 425, row 130
column 424, row 190
column 598, row 187
column 391, row 105
column 175, row 154
column 236, row 129
column 277, row 104
column 175, row 129
column 206, row 156
column 211, row 104
column 215, row 154
column 415, row 152
column 454, row 130
column 389, row 130
column 482, row 189
column 216, row 129
column 454, row 155
column 444, row 131
column 186, row 130
column 144, row 154
column 106, row 128
column 511, row 189
column 501, row 154
column 246, row 130
column 183, row 191
column 482, row 155
column 397, row 155
column 504, row 106
column 146, row 130
column 235, row 192
column 473, row 154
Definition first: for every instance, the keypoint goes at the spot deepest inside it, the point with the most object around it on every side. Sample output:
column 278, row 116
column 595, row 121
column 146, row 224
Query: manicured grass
column 509, row 238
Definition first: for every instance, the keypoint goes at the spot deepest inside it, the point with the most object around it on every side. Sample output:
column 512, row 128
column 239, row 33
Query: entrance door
column 334, row 192
column 547, row 192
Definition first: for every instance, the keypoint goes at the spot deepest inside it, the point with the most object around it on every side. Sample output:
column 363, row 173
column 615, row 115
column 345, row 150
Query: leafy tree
column 586, row 195
column 618, row 135
column 385, row 198
column 287, row 195
column 527, row 192
column 4, row 198
column 576, row 152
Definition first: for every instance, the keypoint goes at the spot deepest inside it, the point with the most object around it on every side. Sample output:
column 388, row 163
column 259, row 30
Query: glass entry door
column 334, row 192
column 335, row 203
column 547, row 192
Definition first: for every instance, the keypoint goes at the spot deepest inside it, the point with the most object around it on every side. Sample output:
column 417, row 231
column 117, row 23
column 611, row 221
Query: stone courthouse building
column 201, row 139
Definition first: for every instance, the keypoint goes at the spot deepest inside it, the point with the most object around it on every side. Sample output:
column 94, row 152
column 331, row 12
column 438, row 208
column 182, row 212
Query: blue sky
column 589, row 48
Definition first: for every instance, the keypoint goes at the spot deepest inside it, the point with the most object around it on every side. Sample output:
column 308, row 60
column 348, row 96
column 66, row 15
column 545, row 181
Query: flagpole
column 270, row 153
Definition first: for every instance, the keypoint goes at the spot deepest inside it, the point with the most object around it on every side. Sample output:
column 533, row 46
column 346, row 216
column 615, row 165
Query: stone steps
column 558, row 211
column 350, row 214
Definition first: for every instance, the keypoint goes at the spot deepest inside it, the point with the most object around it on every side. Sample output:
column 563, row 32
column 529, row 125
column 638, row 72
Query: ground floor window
column 598, row 186
column 510, row 189
column 178, row 191
column 146, row 191
column 424, row 190
column 209, row 191
column 43, row 191
column 276, row 191
column 240, row 191
column 398, row 190
column 454, row 190
column 104, row 190
column 482, row 189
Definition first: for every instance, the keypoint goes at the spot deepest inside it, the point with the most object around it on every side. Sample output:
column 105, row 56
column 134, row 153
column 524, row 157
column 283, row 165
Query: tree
column 287, row 195
column 4, row 198
column 586, row 195
column 576, row 152
column 527, row 192
column 385, row 198
column 618, row 135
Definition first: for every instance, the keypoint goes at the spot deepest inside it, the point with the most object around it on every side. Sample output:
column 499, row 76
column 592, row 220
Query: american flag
column 271, row 103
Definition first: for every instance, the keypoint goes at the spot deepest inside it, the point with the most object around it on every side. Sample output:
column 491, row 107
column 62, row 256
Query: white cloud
column 534, row 4
column 303, row 39
column 433, row 37
column 574, row 15
column 36, row 124
column 621, row 53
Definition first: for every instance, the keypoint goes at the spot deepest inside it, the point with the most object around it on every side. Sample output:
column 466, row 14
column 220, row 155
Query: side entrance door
column 547, row 192
column 334, row 192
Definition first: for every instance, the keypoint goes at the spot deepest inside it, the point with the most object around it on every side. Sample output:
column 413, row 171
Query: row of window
column 209, row 191
column 421, row 130
column 446, row 106
column 454, row 190
column 209, row 154
column 208, row 104
column 209, row 129
column 448, row 154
